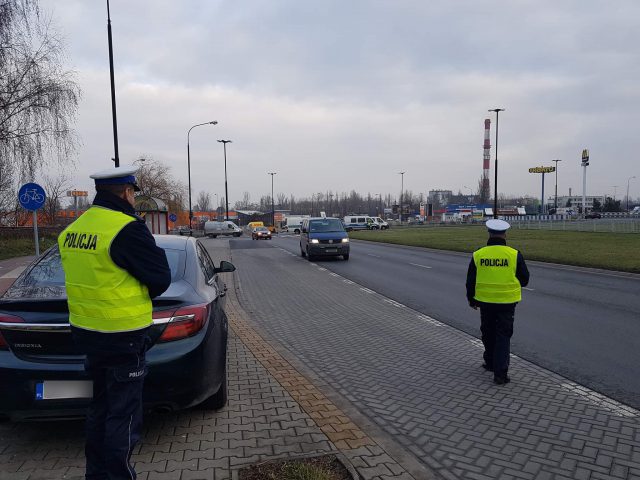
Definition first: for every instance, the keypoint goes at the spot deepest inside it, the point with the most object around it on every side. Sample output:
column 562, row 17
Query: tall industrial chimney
column 485, row 195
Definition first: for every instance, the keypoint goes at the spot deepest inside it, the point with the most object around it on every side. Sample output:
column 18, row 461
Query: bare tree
column 245, row 202
column 55, row 188
column 38, row 98
column 8, row 190
column 281, row 200
column 204, row 201
column 155, row 180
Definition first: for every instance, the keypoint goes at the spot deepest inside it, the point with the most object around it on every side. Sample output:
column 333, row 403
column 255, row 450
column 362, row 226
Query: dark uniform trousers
column 496, row 325
column 116, row 364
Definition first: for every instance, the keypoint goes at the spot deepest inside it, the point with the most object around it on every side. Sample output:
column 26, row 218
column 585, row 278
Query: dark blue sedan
column 41, row 370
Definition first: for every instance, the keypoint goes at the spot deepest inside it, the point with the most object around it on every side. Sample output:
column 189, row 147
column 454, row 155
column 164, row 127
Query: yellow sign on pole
column 542, row 169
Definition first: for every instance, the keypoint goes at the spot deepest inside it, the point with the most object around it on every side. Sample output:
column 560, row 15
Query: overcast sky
column 343, row 95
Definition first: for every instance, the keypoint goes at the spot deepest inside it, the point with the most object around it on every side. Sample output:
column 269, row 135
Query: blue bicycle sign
column 31, row 196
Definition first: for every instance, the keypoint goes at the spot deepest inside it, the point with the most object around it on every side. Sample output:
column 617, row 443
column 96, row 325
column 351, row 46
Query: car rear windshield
column 327, row 225
column 48, row 271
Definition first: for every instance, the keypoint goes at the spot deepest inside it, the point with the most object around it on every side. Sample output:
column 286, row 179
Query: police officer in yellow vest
column 113, row 269
column 494, row 279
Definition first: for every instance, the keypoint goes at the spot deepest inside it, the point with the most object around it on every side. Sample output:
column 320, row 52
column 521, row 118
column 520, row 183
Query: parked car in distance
column 593, row 215
column 42, row 372
column 261, row 233
column 226, row 228
column 323, row 237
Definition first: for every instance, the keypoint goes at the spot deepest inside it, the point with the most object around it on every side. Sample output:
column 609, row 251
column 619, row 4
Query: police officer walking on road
column 494, row 279
column 113, row 269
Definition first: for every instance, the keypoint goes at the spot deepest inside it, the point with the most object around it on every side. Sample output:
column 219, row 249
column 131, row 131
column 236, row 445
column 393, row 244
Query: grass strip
column 610, row 251
column 19, row 247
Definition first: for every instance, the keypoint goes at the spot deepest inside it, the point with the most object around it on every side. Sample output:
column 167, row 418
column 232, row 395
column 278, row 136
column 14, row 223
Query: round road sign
column 31, row 196
column 173, row 217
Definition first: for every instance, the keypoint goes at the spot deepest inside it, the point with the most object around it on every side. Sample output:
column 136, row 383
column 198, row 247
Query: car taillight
column 185, row 322
column 5, row 318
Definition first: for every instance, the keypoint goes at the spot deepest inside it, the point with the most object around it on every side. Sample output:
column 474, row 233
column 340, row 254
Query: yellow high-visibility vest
column 496, row 280
column 102, row 296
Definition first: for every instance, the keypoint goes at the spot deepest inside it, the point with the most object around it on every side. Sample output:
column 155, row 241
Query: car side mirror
column 225, row 267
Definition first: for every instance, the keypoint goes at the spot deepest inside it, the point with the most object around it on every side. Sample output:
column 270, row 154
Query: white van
column 294, row 223
column 364, row 222
column 356, row 222
column 213, row 229
column 378, row 224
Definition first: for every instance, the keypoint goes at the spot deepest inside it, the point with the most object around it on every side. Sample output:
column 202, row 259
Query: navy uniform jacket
column 134, row 248
column 522, row 274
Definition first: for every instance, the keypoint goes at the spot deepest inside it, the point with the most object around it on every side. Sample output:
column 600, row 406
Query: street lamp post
column 214, row 122
column 273, row 211
column 628, row 180
column 226, row 191
column 495, row 181
column 401, row 192
column 555, row 203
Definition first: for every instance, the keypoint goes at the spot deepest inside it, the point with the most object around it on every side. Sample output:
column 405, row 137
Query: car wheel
column 302, row 252
column 297, row 232
column 218, row 399
column 346, row 256
column 309, row 257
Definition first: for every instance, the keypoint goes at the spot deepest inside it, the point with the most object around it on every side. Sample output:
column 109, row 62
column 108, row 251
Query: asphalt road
column 580, row 323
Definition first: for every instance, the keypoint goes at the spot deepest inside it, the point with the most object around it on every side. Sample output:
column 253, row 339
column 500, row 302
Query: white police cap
column 495, row 225
column 117, row 176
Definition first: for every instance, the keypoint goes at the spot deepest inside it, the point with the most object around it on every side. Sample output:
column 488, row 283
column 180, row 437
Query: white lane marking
column 394, row 303
column 15, row 273
column 348, row 282
column 372, row 255
column 430, row 320
column 527, row 288
column 418, row 265
column 333, row 274
column 366, row 290
column 322, row 269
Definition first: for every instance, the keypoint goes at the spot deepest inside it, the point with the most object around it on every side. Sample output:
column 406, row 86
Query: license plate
column 59, row 389
column 331, row 250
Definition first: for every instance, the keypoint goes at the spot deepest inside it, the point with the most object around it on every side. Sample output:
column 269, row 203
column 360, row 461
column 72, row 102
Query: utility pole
column 495, row 182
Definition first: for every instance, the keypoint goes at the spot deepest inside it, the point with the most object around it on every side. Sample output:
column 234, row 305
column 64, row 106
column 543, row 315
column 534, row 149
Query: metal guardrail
column 598, row 225
column 547, row 222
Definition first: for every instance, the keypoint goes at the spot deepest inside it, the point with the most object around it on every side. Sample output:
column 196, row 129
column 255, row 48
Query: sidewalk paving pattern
column 421, row 381
column 273, row 412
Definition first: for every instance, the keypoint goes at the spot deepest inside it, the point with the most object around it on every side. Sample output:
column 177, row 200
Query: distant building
column 575, row 201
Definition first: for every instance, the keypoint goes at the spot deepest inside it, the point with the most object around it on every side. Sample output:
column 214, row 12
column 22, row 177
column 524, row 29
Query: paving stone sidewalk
column 273, row 412
column 421, row 382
